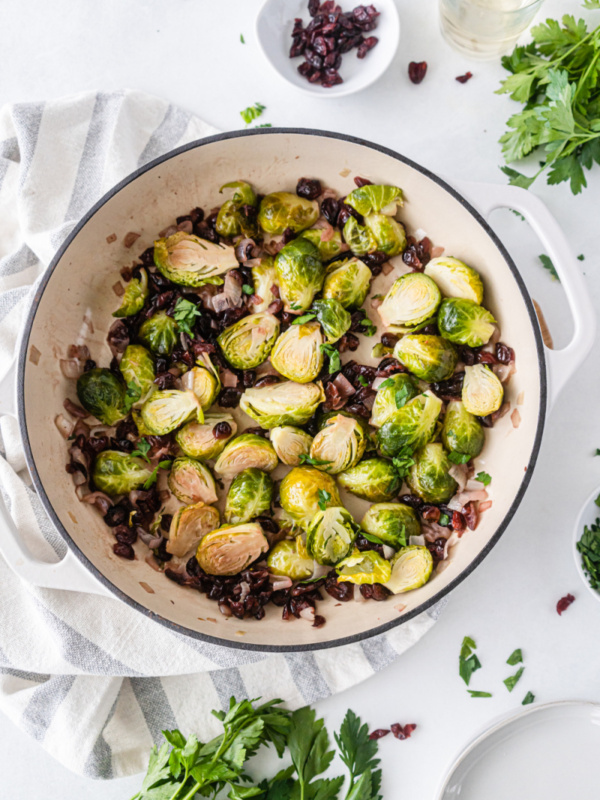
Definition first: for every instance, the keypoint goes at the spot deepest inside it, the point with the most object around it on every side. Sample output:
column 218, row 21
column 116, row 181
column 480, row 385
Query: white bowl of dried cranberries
column 326, row 50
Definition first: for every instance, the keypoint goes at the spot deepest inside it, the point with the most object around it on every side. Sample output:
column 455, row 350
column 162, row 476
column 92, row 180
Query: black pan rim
column 310, row 646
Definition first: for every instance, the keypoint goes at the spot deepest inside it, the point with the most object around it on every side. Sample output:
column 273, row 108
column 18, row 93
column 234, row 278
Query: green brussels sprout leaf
column 334, row 318
column 159, row 333
column 102, row 394
column 365, row 567
column 285, row 403
column 375, row 198
column 248, row 342
column 281, row 210
column 465, row 322
column 300, row 274
column 430, row 358
column 359, row 238
column 412, row 299
column 373, row 479
column 411, row 568
column 185, row 316
column 249, row 496
column 116, row 473
column 297, row 353
column 455, row 278
column 135, row 296
column 188, row 260
column 138, row 371
column 388, row 234
column 330, row 535
column 347, row 282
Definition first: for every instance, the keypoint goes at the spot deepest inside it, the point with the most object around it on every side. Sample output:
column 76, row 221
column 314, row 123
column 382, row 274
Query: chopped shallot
column 344, row 386
column 308, row 613
column 282, row 583
column 516, row 418
column 459, row 473
column 71, row 368
column 229, row 379
column 484, row 506
column 388, row 552
column 416, row 540
column 64, row 426
column 387, row 268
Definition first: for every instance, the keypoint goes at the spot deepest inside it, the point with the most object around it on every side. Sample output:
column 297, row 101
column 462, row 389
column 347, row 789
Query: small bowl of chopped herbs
column 587, row 543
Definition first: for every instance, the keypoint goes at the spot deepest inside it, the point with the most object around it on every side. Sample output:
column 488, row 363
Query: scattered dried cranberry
column 379, row 733
column 458, row 522
column 437, row 548
column 309, row 188
column 222, row 430
column 469, row 512
column 564, row 603
column 430, row 513
column 388, row 339
column 417, row 71
column 464, row 78
column 402, row 731
column 124, row 550
column 362, row 181
column 229, row 398
column 329, row 209
column 504, row 353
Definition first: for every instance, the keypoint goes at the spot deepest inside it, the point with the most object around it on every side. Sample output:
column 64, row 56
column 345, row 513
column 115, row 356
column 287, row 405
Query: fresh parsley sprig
column 252, row 112
column 335, row 363
column 185, row 315
column 166, row 464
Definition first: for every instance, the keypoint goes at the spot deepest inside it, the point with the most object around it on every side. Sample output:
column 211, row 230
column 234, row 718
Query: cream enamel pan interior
column 80, row 281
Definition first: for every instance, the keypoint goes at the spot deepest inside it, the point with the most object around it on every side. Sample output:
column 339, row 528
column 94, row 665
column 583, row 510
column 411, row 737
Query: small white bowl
column 274, row 26
column 588, row 514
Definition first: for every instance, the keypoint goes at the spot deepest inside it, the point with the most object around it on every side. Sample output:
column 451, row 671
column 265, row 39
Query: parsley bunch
column 557, row 77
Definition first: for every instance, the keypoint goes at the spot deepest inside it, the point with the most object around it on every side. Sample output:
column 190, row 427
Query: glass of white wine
column 486, row 29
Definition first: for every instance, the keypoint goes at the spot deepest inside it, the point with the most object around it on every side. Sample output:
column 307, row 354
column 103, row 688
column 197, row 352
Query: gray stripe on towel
column 307, row 676
column 154, row 705
column 43, row 705
column 167, row 135
column 228, row 683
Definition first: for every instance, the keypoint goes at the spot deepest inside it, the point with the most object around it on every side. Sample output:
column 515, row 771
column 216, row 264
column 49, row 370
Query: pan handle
column 67, row 574
column 562, row 364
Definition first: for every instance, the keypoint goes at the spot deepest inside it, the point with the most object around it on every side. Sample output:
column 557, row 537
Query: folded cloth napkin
column 78, row 672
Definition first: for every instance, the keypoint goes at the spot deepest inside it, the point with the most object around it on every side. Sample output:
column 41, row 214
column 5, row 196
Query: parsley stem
column 585, row 75
column 192, row 792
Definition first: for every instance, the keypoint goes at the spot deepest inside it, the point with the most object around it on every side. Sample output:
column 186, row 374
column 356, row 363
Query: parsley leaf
column 581, row 257
column 597, row 453
column 589, row 548
column 473, row 693
column 314, row 462
column 468, row 663
column 386, row 384
column 403, row 461
column 358, row 753
column 335, row 363
column 132, row 395
column 512, row 681
column 458, row 458
column 154, row 477
column 362, row 380
column 252, row 112
column 547, row 264
column 444, row 520
column 242, row 40
column 247, row 289
column 401, row 396
column 304, row 318
column 516, row 657
column 529, row 698
column 370, row 537
column 369, row 328
column 143, row 447
column 323, row 498
column 484, row 478
column 185, row 315
column 311, row 755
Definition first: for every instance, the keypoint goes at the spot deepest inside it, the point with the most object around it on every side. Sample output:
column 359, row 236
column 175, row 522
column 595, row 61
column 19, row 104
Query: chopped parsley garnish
column 403, row 461
column 185, row 315
column 512, row 681
column 247, row 289
column 154, row 477
column 143, row 448
column 581, row 257
column 516, row 657
column 362, row 380
column 370, row 537
column 314, row 462
column 132, row 395
column 386, row 384
column 335, row 363
column 517, row 214
column 304, row 318
column 252, row 112
column 597, row 501
column 547, row 264
column 473, row 693
column 458, row 458
column 323, row 498
column 468, row 663
column 444, row 520
column 242, row 40
column 369, row 328
column 597, row 453
column 529, row 698
column 401, row 396
column 589, row 547
column 484, row 478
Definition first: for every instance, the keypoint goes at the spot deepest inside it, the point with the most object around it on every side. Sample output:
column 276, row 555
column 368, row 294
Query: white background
column 189, row 52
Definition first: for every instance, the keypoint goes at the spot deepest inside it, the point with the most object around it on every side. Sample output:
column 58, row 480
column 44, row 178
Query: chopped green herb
column 597, row 500
column 358, row 752
column 547, row 264
column 185, row 315
column 370, row 537
column 597, row 453
column 403, row 461
column 264, row 125
column 581, row 257
column 143, row 447
column 458, row 458
column 369, row 328
column 512, row 681
column 386, row 384
column 132, row 395
column 324, row 497
column 516, row 657
column 484, row 478
column 252, row 112
column 314, row 462
column 335, row 363
column 247, row 289
column 401, row 396
column 363, row 381
column 473, row 693
column 242, row 40
column 154, row 477
column 589, row 547
column 444, row 519
column 304, row 318
column 529, row 698
column 518, row 214
column 468, row 663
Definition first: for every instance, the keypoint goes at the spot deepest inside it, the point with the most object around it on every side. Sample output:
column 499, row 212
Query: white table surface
column 189, row 51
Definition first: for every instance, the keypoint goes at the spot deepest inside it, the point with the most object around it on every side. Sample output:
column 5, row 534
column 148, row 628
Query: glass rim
column 488, row 4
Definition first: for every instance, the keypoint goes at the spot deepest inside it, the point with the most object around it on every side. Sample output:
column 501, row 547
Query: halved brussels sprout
column 285, row 403
column 248, row 342
column 190, row 261
column 465, row 322
column 393, row 523
column 359, row 238
column 242, row 193
column 300, row 274
column 139, row 423
column 461, row 431
column 189, row 526
column 286, row 559
column 334, row 318
column 428, row 477
column 297, row 353
column 164, row 411
column 204, row 381
column 375, row 198
column 290, row 443
column 387, row 232
column 249, row 496
column 412, row 426
column 373, row 479
column 364, row 567
column 347, row 282
column 482, row 392
column 231, row 221
column 306, row 490
column 281, row 210
column 205, row 440
column 411, row 567
column 264, row 278
column 134, row 297
column 159, row 333
column 244, row 452
column 412, row 299
column 137, row 367
column 192, row 482
column 115, row 472
column 339, row 445
column 431, row 358
column 102, row 394
column 455, row 278
column 392, row 394
column 330, row 535
column 229, row 550
column 328, row 248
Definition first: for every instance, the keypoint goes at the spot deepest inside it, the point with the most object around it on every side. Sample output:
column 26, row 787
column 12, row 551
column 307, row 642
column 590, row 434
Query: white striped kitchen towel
column 91, row 679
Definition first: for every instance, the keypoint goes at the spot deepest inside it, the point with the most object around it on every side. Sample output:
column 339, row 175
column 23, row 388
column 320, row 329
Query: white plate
column 589, row 513
column 274, row 33
column 546, row 752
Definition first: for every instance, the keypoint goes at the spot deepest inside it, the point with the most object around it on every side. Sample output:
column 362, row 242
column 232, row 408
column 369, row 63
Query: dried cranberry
column 452, row 388
column 329, row 209
column 342, row 592
column 388, row 339
column 229, row 398
column 437, row 548
column 417, row 70
column 313, row 7
column 89, row 364
column 288, row 235
column 486, row 358
column 124, row 550
column 367, row 45
column 362, row 181
column 305, row 69
column 379, row 733
column 319, row 621
column 374, row 591
column 309, row 188
column 469, row 512
column 166, row 380
column 249, row 378
column 267, row 380
column 116, row 515
column 564, row 603
column 411, row 500
column 458, row 522
column 375, row 262
column 348, row 342
column 345, row 213
column 464, row 78
column 430, row 513
column 125, row 534
column 402, row 732
column 504, row 353
column 389, row 366
column 147, row 257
